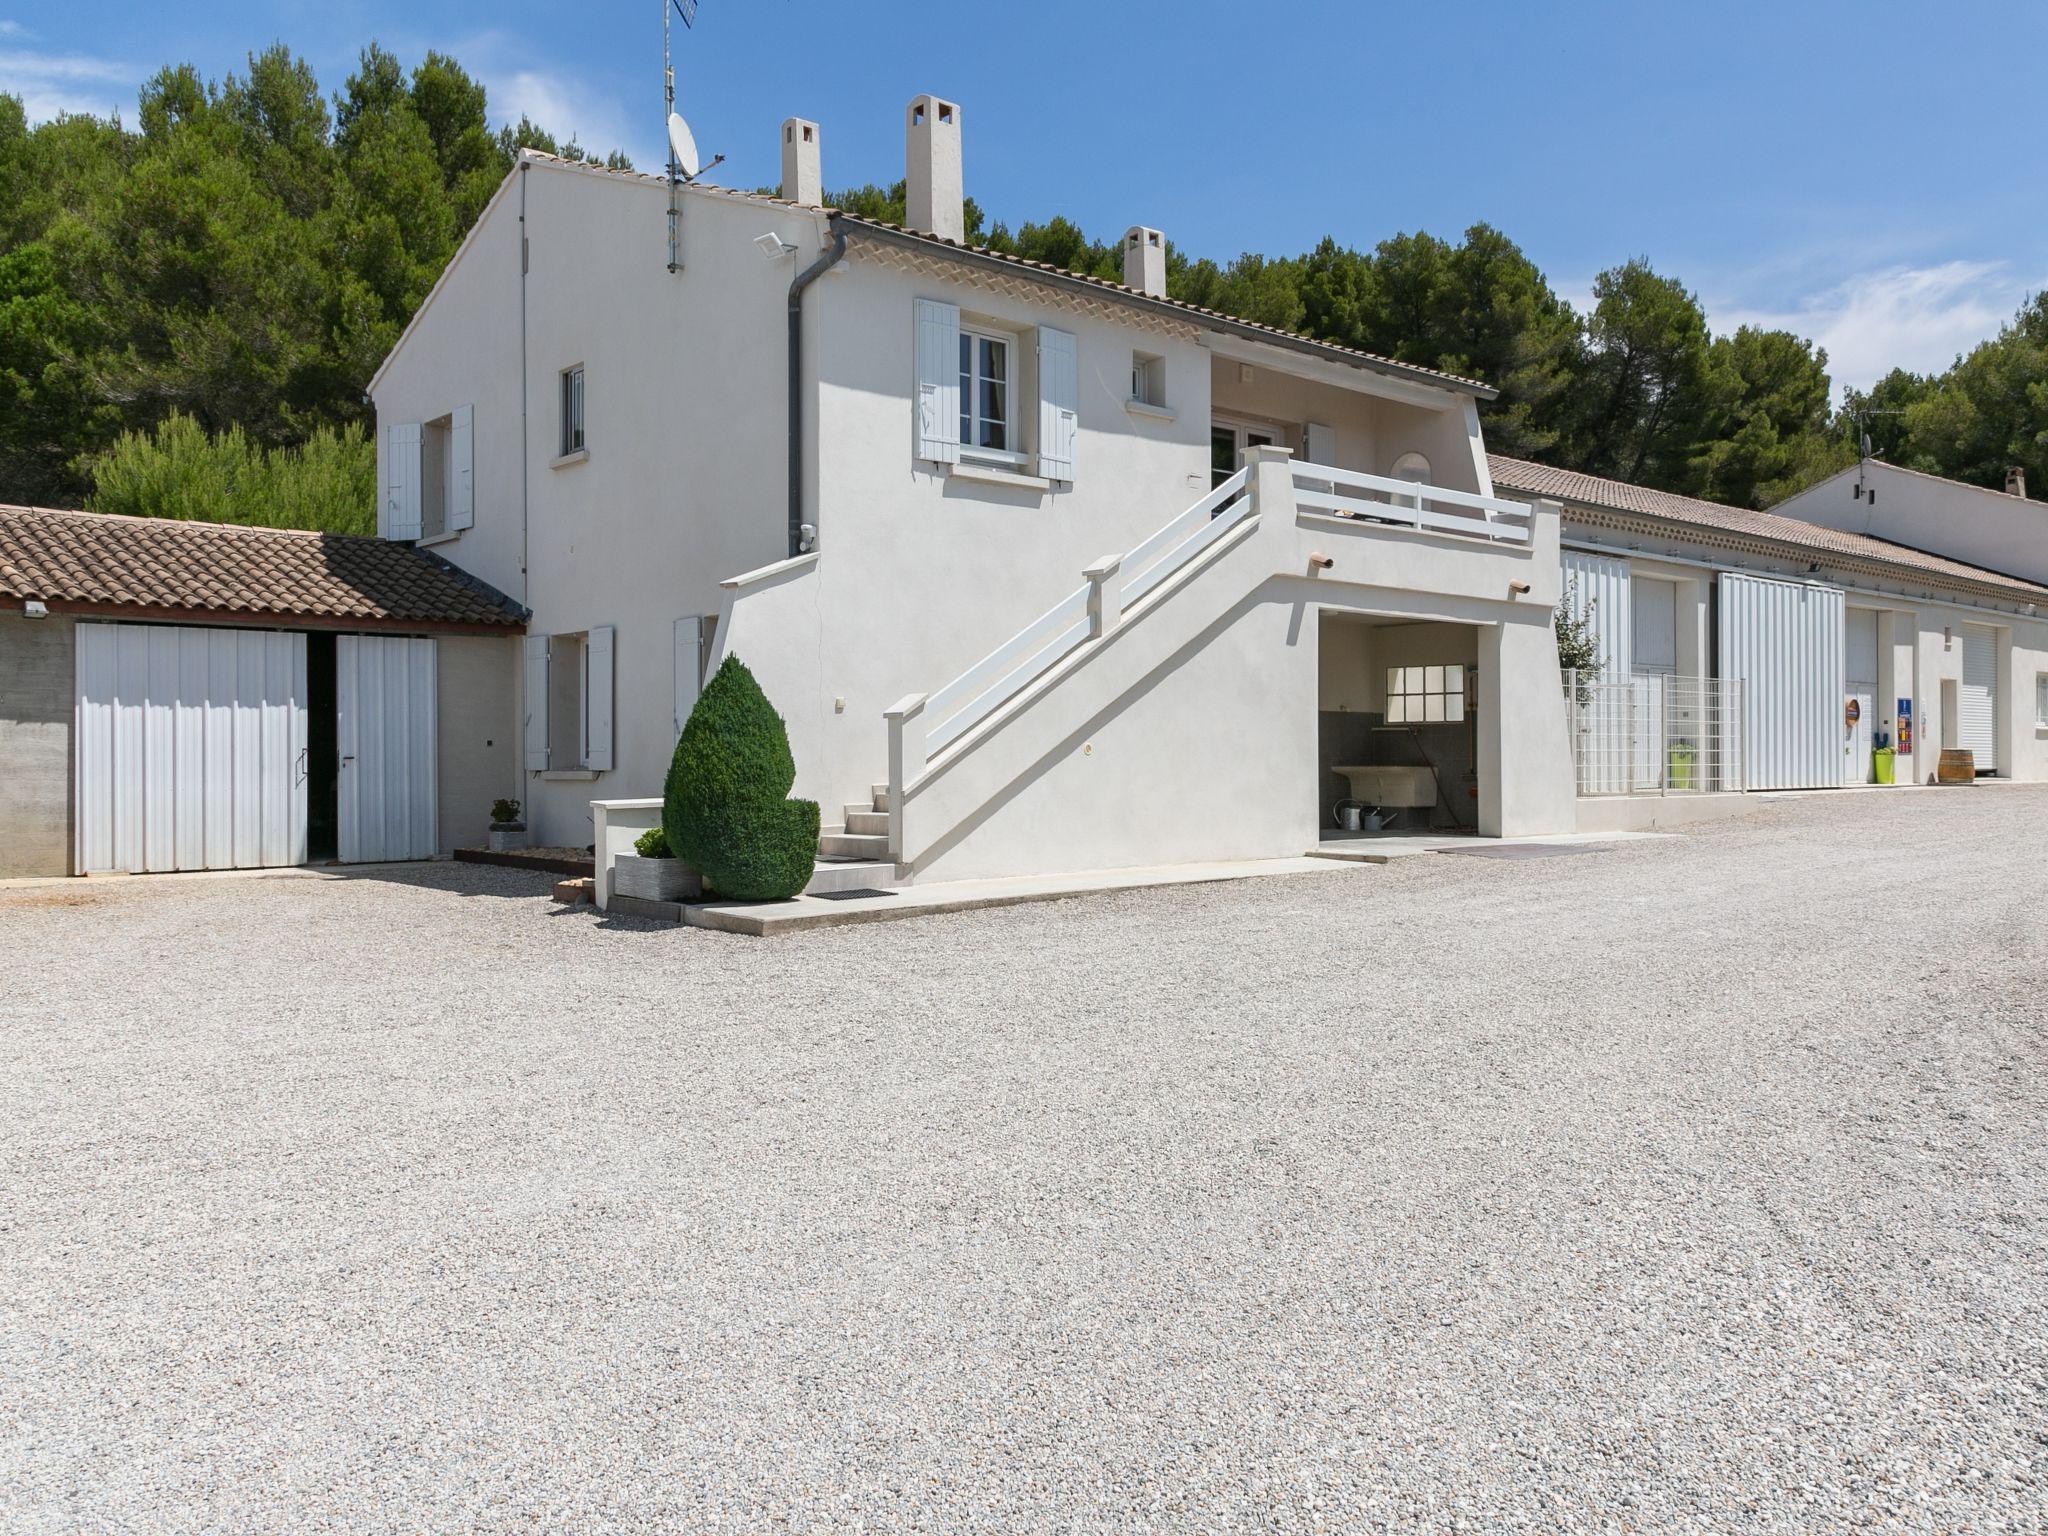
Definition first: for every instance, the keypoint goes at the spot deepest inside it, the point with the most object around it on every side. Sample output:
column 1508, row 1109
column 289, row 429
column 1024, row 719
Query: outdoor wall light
column 35, row 608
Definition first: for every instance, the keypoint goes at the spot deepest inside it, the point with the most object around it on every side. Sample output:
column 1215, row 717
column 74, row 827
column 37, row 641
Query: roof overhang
column 1435, row 384
column 218, row 618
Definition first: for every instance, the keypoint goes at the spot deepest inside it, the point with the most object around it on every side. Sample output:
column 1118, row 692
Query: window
column 1148, row 379
column 1419, row 694
column 985, row 395
column 2041, row 700
column 566, row 719
column 572, row 410
column 436, row 460
column 568, row 701
column 1227, row 443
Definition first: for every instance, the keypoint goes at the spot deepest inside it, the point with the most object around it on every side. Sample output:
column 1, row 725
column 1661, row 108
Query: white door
column 191, row 748
column 1977, row 725
column 384, row 702
column 1860, row 644
column 1782, row 642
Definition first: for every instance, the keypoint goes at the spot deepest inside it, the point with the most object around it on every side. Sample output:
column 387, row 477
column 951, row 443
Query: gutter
column 1187, row 314
column 799, row 542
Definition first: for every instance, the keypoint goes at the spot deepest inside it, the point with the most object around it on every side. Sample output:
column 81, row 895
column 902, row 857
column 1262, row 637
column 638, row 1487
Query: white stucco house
column 1044, row 572
column 1048, row 573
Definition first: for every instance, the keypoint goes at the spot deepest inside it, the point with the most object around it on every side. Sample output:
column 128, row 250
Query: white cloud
column 565, row 108
column 53, row 83
column 1918, row 318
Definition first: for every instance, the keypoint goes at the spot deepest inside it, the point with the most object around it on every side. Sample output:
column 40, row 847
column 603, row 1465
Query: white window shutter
column 938, row 381
column 689, row 649
column 402, row 481
column 536, row 688
column 597, row 697
column 1059, row 402
column 1319, row 443
column 462, row 468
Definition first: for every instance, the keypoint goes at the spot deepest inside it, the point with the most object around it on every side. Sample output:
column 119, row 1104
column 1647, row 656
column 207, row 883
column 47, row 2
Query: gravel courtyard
column 1694, row 1185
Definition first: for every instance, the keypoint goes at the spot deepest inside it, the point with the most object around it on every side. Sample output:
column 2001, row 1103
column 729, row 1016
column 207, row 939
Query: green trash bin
column 1681, row 766
column 1883, row 763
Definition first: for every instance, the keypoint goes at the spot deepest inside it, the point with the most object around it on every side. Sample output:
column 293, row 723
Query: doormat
column 1529, row 850
column 856, row 894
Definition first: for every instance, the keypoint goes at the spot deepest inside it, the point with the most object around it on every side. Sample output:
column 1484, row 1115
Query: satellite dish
column 683, row 146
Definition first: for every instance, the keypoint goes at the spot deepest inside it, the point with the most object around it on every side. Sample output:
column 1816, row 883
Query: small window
column 568, row 723
column 1416, row 695
column 985, row 420
column 1148, row 379
column 2041, row 700
column 572, row 410
column 436, row 472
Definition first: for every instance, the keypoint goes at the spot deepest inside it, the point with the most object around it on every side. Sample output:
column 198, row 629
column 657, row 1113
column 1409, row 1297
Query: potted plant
column 652, row 873
column 508, row 832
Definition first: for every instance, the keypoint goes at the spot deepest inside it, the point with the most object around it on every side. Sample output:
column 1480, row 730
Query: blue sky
column 1873, row 175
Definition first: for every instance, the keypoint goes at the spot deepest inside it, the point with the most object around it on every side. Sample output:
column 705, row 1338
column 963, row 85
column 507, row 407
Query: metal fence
column 1655, row 734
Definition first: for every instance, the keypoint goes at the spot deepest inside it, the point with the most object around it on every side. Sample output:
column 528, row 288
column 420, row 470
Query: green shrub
column 652, row 844
column 504, row 811
column 726, row 808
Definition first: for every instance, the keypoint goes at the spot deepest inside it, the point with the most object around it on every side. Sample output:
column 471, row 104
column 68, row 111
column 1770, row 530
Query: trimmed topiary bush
column 725, row 809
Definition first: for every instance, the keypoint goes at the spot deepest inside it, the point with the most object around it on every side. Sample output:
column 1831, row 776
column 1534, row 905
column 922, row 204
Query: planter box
column 655, row 879
column 507, row 839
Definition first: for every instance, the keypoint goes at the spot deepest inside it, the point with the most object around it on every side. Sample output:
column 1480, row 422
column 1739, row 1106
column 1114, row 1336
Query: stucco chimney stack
column 2016, row 482
column 931, row 168
column 1145, row 260
column 802, row 180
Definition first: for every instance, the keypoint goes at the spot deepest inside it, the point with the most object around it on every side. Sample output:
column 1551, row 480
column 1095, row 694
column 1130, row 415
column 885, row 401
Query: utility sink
column 1390, row 786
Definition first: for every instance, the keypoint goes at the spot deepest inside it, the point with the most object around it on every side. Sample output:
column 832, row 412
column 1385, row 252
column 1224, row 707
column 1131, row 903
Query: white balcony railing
column 1408, row 503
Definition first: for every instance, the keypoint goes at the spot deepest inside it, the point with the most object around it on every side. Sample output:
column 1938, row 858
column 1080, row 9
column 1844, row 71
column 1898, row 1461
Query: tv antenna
column 684, row 163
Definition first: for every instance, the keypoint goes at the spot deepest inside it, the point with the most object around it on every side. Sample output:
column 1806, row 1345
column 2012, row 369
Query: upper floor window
column 1148, row 379
column 572, row 410
column 985, row 422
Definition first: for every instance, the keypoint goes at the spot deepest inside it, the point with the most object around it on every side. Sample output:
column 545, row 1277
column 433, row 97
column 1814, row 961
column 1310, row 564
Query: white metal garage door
column 191, row 748
column 1977, row 726
column 384, row 693
column 1783, row 641
column 1597, row 588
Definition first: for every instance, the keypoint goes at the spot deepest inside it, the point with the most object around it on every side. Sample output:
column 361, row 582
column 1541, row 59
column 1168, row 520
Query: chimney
column 931, row 168
column 1145, row 260
column 802, row 181
column 2016, row 482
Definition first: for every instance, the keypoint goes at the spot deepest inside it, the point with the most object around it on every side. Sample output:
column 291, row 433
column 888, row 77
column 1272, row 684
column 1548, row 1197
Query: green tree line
column 191, row 308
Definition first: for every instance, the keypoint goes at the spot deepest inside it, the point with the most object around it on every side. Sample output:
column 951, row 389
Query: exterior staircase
column 854, row 855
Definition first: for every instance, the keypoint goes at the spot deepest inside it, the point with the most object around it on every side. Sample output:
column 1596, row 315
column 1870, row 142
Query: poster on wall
column 1905, row 726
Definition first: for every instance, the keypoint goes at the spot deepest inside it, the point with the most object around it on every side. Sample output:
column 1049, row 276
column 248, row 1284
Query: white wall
column 1964, row 522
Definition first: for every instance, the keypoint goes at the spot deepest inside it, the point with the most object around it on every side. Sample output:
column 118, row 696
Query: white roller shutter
column 401, row 518
column 938, row 381
column 1783, row 642
column 462, row 468
column 598, row 648
column 535, row 686
column 1059, row 402
column 191, row 748
column 1977, row 721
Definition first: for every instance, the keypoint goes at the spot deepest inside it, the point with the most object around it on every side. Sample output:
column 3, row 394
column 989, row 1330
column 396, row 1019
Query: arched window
column 1412, row 467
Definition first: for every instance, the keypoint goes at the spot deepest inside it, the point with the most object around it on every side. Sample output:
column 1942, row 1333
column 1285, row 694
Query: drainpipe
column 798, row 284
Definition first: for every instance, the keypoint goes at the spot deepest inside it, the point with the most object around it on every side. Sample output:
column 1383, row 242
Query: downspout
column 525, row 390
column 803, row 280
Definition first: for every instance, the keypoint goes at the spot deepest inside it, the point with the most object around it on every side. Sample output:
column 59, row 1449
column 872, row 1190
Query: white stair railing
column 924, row 725
column 1409, row 503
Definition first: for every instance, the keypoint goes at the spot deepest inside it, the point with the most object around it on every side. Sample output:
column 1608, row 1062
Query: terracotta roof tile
column 60, row 556
column 1573, row 488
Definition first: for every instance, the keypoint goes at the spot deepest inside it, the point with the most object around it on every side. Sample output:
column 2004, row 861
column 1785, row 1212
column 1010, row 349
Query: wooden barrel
column 1958, row 766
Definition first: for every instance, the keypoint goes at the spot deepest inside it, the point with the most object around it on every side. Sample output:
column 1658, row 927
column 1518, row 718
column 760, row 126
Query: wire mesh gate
column 1655, row 734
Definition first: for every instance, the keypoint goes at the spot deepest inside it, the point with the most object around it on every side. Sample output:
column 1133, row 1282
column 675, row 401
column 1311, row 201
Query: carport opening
column 1397, row 737
column 323, row 760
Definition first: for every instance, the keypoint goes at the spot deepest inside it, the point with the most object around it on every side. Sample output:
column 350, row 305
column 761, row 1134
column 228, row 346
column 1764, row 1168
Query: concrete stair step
column 866, row 822
column 878, row 796
column 853, row 845
column 851, row 875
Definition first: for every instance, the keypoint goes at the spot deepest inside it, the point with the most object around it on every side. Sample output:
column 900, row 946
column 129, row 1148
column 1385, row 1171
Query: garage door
column 1597, row 589
column 384, row 694
column 1782, row 640
column 191, row 748
column 1977, row 724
